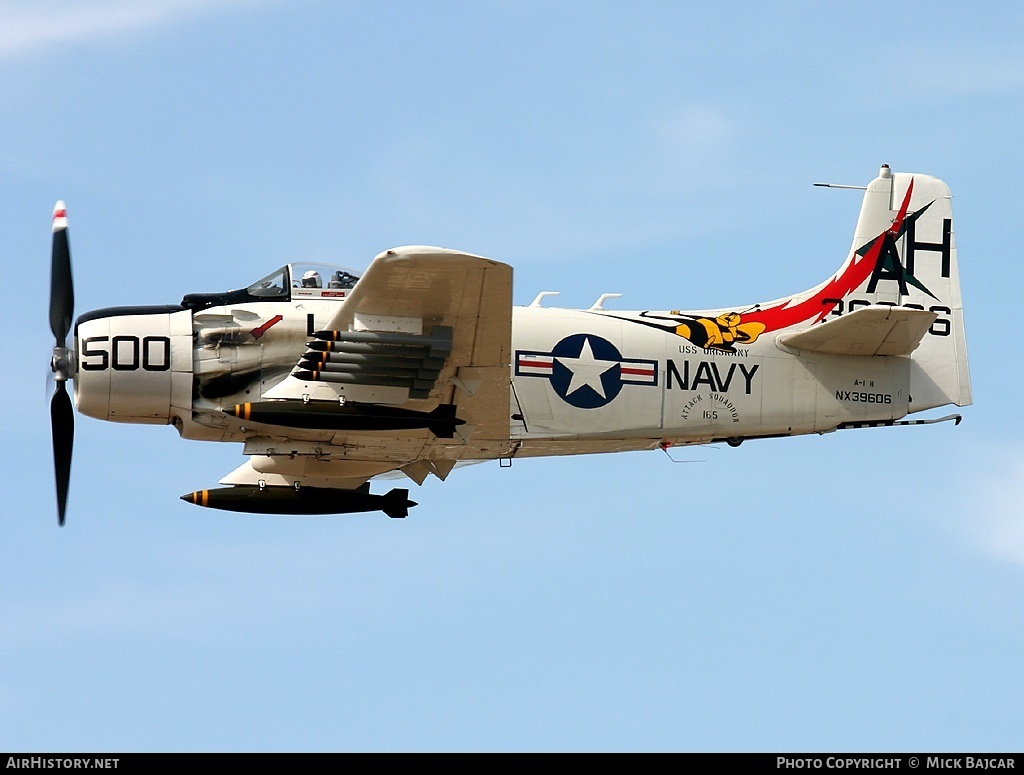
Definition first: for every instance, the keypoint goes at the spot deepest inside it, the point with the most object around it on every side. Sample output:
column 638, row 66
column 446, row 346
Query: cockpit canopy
column 292, row 281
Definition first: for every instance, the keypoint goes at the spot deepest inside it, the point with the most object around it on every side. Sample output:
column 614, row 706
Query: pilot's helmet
column 311, row 279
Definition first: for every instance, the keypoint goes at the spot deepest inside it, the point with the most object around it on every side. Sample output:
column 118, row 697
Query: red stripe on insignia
column 538, row 364
column 643, row 372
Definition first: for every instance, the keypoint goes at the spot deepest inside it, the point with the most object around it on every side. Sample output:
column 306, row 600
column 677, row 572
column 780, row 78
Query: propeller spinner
column 62, row 303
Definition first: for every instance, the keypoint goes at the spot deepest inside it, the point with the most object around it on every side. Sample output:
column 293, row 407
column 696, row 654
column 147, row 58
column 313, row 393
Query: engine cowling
column 134, row 364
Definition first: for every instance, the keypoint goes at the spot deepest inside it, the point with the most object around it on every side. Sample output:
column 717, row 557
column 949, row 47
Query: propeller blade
column 62, row 292
column 62, row 426
column 62, row 306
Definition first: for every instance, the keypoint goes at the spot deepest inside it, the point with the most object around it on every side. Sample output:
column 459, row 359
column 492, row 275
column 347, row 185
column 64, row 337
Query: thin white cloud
column 997, row 521
column 33, row 27
column 695, row 142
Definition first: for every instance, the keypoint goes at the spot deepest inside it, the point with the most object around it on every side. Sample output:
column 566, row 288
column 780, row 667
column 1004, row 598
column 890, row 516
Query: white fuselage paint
column 659, row 388
column 756, row 389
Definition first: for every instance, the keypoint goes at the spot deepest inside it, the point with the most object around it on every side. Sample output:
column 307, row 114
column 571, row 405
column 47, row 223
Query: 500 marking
column 124, row 352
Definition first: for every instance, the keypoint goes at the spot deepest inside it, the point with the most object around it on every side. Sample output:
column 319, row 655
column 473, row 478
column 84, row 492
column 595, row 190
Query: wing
column 420, row 352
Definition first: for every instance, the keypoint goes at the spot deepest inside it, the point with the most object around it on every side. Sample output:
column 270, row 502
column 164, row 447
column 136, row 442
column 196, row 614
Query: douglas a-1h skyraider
column 330, row 380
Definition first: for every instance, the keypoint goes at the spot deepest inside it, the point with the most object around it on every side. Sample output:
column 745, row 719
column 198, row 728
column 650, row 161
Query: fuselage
column 582, row 380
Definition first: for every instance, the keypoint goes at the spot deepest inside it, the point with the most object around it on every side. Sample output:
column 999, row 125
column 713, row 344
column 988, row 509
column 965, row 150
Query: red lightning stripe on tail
column 820, row 304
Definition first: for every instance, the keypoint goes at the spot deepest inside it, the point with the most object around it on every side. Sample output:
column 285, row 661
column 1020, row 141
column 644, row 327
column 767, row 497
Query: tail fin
column 903, row 255
column 906, row 223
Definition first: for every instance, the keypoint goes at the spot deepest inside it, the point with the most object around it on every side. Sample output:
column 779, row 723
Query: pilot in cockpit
column 311, row 279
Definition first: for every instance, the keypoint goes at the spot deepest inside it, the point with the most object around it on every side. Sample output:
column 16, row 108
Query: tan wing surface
column 423, row 327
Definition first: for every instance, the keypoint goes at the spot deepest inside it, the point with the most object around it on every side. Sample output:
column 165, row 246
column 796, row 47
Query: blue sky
column 859, row 591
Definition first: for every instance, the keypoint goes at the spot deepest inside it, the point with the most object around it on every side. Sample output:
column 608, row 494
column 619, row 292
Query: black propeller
column 62, row 304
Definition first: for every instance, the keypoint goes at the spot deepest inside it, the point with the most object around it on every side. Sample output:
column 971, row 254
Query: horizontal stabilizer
column 875, row 330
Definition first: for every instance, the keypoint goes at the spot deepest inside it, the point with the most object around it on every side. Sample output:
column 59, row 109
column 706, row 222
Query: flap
column 875, row 330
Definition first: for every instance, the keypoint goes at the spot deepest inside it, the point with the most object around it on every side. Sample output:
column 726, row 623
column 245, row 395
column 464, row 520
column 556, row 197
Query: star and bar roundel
column 585, row 370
